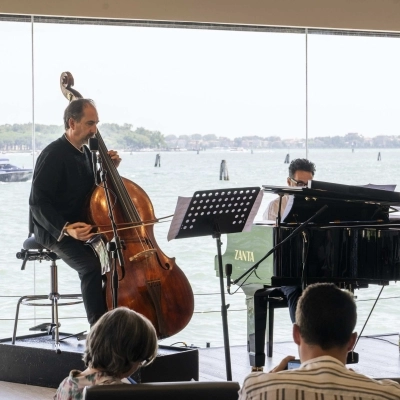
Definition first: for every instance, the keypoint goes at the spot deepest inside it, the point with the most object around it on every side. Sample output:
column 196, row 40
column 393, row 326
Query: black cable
column 365, row 323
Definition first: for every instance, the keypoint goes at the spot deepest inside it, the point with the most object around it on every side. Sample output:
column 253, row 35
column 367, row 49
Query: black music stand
column 214, row 212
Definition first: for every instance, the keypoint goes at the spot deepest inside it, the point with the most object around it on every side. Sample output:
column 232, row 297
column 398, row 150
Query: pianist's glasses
column 298, row 183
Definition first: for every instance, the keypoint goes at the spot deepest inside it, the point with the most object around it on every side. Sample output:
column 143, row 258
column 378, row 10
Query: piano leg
column 265, row 301
column 257, row 338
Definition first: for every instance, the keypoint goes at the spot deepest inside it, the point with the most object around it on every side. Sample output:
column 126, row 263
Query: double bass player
column 62, row 182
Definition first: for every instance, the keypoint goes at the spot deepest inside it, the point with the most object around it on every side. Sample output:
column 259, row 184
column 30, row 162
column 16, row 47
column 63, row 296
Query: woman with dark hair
column 118, row 344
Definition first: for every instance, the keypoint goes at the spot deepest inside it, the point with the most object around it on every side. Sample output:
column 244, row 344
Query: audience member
column 325, row 319
column 118, row 344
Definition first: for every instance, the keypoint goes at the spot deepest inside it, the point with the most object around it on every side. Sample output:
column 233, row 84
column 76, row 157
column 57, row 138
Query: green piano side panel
column 244, row 249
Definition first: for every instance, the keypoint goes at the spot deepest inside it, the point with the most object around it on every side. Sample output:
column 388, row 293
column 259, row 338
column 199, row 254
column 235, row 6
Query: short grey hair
column 118, row 339
column 75, row 110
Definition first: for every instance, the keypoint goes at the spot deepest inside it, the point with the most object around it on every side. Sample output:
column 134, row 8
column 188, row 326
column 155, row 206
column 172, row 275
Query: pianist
column 326, row 317
column 301, row 171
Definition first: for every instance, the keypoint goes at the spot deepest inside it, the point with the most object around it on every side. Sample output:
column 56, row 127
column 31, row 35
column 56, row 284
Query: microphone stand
column 299, row 229
column 94, row 148
column 114, row 247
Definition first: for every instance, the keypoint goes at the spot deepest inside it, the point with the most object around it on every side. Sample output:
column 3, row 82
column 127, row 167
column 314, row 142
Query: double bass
column 150, row 282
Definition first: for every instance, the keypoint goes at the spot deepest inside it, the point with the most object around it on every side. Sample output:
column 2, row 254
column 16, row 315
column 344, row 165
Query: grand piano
column 327, row 233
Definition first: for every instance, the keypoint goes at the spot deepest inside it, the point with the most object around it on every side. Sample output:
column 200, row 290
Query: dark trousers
column 293, row 294
column 83, row 260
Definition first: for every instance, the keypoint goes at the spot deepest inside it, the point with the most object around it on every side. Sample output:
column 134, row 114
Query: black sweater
column 62, row 181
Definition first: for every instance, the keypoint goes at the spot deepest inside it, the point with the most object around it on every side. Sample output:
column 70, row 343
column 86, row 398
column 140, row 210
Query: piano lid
column 345, row 203
column 339, row 191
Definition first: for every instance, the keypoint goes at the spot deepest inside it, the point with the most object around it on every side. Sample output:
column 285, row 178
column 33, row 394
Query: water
column 181, row 174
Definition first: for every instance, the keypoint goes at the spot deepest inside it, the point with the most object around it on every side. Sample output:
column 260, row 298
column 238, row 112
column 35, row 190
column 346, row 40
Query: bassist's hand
column 79, row 231
column 115, row 157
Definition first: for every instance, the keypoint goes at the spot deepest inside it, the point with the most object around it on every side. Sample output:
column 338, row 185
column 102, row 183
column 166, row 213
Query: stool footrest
column 31, row 300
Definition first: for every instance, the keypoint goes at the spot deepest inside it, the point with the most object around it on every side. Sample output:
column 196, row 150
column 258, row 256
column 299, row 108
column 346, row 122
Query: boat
column 11, row 173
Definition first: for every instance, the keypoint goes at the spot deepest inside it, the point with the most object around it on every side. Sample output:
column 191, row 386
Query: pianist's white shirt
column 271, row 212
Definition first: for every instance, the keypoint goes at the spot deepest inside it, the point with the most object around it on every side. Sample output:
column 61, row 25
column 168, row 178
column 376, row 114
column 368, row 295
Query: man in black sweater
column 62, row 183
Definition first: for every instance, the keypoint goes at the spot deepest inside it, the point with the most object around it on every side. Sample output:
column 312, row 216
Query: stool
column 34, row 251
column 265, row 302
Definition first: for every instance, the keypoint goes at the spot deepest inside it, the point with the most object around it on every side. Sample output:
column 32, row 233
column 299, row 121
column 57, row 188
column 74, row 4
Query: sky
column 191, row 81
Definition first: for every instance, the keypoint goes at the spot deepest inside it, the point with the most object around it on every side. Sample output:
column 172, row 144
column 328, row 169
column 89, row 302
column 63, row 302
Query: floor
column 378, row 357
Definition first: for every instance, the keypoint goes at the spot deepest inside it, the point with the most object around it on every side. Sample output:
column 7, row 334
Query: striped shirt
column 322, row 378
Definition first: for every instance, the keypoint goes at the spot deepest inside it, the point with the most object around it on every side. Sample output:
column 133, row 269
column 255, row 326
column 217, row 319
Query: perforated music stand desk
column 216, row 212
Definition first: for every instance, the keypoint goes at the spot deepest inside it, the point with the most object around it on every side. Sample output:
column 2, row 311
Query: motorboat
column 11, row 173
column 238, row 149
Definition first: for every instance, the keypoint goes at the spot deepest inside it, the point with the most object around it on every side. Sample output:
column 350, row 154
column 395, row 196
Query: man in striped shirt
column 325, row 319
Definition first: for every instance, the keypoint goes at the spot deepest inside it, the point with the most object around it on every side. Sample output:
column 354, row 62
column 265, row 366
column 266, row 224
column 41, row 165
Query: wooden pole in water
column 223, row 171
column 287, row 159
column 158, row 160
column 379, row 156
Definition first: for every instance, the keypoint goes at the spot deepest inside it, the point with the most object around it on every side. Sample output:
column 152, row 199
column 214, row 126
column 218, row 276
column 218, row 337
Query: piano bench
column 265, row 302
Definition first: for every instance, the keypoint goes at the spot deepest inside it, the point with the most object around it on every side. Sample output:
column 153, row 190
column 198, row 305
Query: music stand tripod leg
column 224, row 310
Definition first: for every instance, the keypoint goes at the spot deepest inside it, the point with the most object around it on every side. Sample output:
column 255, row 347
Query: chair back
column 165, row 391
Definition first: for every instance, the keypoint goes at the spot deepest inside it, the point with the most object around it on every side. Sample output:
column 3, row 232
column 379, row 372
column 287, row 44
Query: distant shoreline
column 18, row 137
column 244, row 150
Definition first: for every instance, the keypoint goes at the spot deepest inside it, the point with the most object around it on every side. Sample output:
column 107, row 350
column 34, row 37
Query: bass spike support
column 223, row 171
column 287, row 159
